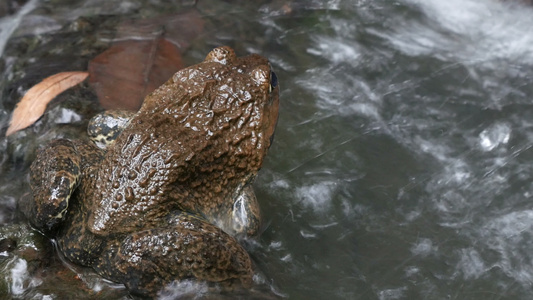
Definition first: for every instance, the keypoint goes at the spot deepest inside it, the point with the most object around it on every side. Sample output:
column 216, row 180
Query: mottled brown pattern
column 162, row 201
column 176, row 251
column 192, row 154
column 54, row 175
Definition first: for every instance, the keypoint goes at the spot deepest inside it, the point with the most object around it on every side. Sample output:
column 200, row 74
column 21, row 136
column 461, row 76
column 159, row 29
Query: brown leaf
column 125, row 73
column 33, row 104
column 146, row 53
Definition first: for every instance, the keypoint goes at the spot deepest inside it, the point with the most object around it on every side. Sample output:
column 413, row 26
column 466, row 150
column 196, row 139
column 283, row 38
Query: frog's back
column 195, row 140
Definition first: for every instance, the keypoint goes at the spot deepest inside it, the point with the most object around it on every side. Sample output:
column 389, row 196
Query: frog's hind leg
column 187, row 248
column 54, row 175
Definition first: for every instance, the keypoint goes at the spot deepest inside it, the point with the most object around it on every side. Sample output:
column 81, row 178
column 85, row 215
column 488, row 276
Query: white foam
column 275, row 245
column 65, row 116
column 495, row 135
column 280, row 184
column 469, row 31
column 456, row 15
column 338, row 92
column 10, row 23
column 473, row 170
column 392, row 294
column 510, row 236
column 19, row 277
column 307, row 234
column 184, row 289
column 411, row 271
column 423, row 247
column 471, row 264
column 317, row 196
column 286, row 258
column 335, row 50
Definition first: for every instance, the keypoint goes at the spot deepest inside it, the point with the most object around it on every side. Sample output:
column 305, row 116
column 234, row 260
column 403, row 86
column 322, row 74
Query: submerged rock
column 31, row 268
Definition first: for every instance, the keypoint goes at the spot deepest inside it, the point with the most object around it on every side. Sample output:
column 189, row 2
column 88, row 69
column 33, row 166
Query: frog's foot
column 187, row 248
column 241, row 219
column 246, row 215
column 54, row 176
column 106, row 126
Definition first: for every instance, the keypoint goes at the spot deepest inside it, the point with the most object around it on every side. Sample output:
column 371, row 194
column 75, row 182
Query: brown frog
column 163, row 201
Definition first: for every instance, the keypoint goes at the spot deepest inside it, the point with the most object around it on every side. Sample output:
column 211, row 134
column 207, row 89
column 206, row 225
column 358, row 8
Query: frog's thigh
column 246, row 215
column 54, row 175
column 148, row 260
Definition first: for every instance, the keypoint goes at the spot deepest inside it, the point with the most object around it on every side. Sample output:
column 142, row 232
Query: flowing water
column 402, row 162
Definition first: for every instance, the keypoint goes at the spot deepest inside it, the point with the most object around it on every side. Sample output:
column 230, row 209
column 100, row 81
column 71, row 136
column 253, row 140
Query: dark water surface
column 401, row 166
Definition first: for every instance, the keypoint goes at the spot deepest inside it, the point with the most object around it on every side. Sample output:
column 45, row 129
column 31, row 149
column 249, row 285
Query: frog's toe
column 187, row 248
column 54, row 176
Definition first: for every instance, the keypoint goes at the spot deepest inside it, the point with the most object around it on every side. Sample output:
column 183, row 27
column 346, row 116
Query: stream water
column 401, row 166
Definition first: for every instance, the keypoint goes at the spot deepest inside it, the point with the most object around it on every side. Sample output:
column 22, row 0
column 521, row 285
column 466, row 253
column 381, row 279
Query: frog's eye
column 273, row 81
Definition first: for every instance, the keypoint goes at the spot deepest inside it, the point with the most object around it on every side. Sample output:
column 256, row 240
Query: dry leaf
column 128, row 71
column 145, row 54
column 33, row 104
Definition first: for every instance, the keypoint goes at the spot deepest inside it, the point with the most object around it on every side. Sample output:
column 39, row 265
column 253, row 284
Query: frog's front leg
column 188, row 247
column 246, row 215
column 54, row 175
column 242, row 217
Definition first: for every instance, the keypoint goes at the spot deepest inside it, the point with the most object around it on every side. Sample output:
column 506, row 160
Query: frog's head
column 249, row 88
column 225, row 97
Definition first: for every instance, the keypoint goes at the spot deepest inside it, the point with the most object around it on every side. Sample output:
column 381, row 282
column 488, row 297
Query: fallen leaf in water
column 33, row 104
column 145, row 54
column 125, row 73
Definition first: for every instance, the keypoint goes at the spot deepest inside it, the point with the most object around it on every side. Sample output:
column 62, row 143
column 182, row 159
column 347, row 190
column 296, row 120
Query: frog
column 165, row 194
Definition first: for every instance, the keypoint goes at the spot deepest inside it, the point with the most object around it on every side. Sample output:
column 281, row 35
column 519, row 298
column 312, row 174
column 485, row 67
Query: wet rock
column 29, row 59
column 4, row 9
column 29, row 268
column 8, row 245
column 9, row 7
